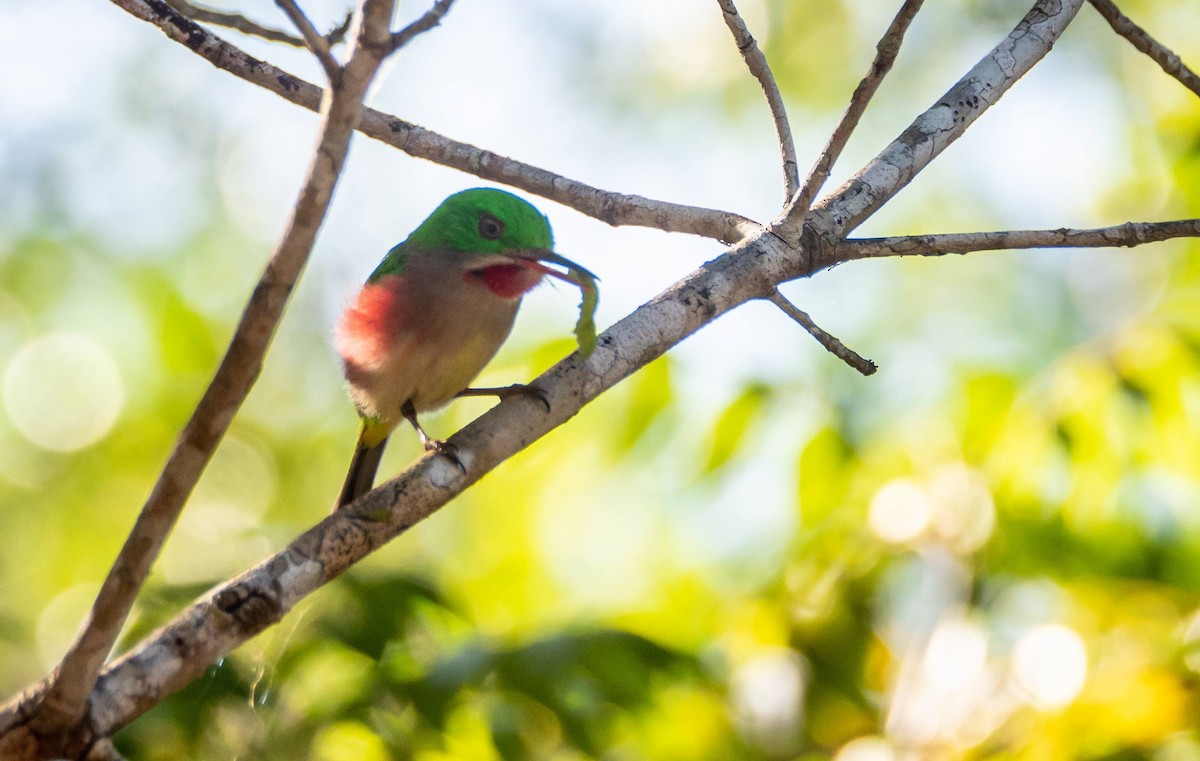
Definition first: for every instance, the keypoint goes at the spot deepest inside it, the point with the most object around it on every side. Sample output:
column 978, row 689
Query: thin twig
column 611, row 208
column 885, row 55
column 240, row 23
column 338, row 33
column 234, row 21
column 1141, row 39
column 829, row 341
column 318, row 45
column 65, row 700
column 756, row 61
column 427, row 21
column 1128, row 234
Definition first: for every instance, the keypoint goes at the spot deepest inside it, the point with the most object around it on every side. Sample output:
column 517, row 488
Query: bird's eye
column 490, row 227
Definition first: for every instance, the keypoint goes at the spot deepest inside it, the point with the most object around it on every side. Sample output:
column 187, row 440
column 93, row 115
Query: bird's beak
column 575, row 273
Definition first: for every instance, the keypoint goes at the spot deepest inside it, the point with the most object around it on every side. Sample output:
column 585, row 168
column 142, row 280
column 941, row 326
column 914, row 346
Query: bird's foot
column 445, row 449
column 504, row 392
column 527, row 391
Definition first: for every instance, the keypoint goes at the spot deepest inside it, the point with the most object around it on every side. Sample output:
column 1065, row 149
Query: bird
column 435, row 311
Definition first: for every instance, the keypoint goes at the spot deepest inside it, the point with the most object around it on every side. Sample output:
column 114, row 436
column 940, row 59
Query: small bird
column 434, row 313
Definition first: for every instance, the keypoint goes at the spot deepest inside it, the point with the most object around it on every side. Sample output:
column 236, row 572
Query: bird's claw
column 529, row 392
column 447, row 450
column 504, row 392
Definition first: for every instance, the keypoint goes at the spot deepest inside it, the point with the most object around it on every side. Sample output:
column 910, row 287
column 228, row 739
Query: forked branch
column 609, row 207
column 317, row 44
column 800, row 198
column 885, row 55
column 937, row 128
column 245, row 25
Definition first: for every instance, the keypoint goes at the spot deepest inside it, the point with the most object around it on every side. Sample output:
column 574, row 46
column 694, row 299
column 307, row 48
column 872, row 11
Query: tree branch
column 1141, row 39
column 338, row 33
column 831, row 342
column 64, row 701
column 1128, row 234
column 317, row 44
column 616, row 209
column 933, row 131
column 245, row 25
column 427, row 21
column 236, row 610
column 885, row 55
column 757, row 63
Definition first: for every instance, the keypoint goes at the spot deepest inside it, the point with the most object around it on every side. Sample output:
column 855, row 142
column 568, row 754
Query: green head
column 485, row 221
column 475, row 223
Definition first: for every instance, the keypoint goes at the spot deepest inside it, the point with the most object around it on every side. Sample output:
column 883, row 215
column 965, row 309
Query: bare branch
column 1141, row 39
column 612, row 208
column 1128, row 235
column 234, row 21
column 885, row 55
column 65, row 699
column 829, row 341
column 933, row 131
column 428, row 20
column 338, row 33
column 240, row 23
column 318, row 45
column 757, row 63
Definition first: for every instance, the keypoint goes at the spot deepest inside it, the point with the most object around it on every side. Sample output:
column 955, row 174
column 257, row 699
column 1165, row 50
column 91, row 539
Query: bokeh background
column 990, row 549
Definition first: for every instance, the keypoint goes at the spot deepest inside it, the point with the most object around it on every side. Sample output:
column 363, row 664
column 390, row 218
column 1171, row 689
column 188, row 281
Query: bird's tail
column 361, row 476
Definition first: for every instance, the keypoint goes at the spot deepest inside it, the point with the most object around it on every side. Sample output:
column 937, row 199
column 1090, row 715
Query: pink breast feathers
column 508, row 280
column 369, row 324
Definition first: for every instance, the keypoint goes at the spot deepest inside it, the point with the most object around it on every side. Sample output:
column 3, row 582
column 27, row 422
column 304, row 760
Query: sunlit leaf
column 823, row 475
column 650, row 394
column 729, row 431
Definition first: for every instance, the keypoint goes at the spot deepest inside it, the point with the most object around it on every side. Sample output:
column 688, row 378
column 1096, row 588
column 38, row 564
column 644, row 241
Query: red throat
column 510, row 280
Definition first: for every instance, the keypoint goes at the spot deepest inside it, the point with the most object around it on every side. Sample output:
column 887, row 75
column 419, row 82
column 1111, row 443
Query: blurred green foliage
column 990, row 550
